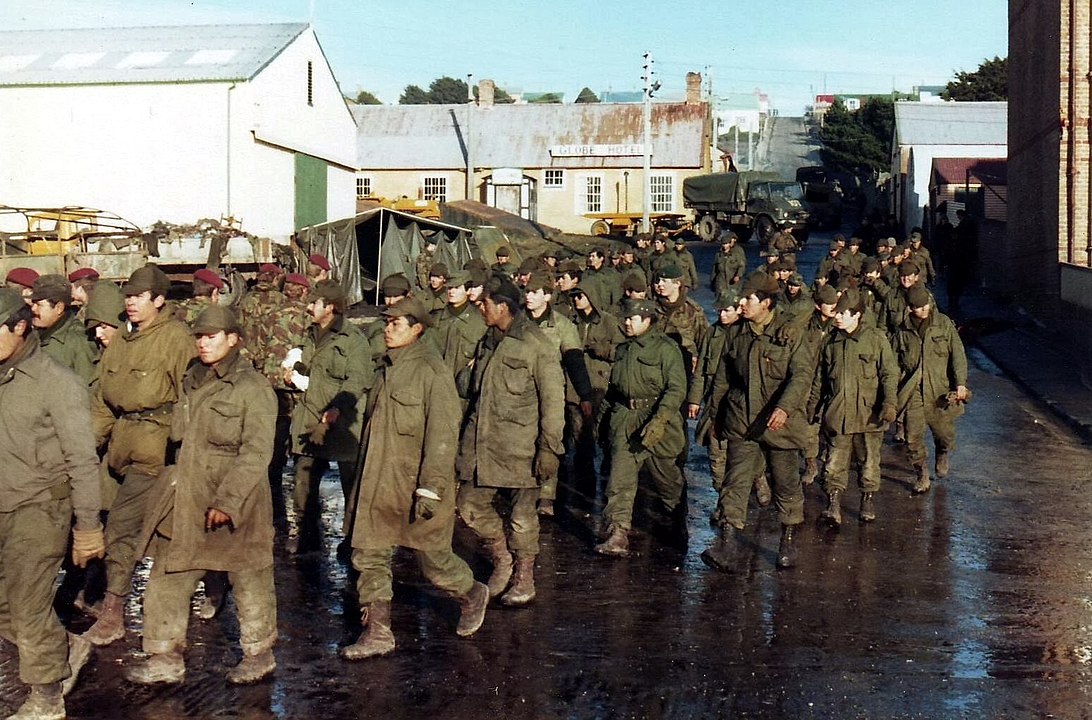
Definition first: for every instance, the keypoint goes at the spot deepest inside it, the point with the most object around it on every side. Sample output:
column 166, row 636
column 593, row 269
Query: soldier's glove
column 654, row 431
column 546, row 465
column 87, row 544
column 426, row 504
column 889, row 413
column 316, row 434
column 952, row 399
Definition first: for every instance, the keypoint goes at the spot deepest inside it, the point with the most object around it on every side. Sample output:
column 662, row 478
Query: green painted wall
column 310, row 191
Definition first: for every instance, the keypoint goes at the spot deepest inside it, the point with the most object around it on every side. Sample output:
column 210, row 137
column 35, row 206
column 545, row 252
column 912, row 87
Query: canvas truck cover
column 712, row 190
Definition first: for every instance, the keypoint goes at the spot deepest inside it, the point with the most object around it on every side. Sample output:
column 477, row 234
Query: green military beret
column 669, row 272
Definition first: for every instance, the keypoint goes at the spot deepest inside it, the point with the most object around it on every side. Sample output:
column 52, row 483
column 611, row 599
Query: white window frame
column 584, row 193
column 364, row 186
column 439, row 180
column 658, row 204
column 546, row 184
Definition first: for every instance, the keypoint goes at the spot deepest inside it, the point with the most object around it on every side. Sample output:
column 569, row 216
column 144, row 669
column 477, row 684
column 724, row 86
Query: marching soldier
column 729, row 265
column 684, row 260
column 60, row 333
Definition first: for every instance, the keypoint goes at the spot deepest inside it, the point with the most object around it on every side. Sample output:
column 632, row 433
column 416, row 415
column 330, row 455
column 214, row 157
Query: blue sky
column 791, row 49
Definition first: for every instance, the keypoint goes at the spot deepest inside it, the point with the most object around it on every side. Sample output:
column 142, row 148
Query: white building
column 177, row 124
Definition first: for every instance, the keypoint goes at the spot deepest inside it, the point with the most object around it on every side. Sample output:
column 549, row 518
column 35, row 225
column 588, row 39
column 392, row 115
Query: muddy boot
column 762, row 490
column 160, row 668
column 377, row 638
column 811, row 471
column 868, row 507
column 502, row 565
column 546, row 508
column 616, row 544
column 522, row 591
column 786, row 551
column 89, row 609
column 900, row 432
column 472, row 610
column 45, row 702
column 79, row 652
column 216, row 586
column 111, row 623
column 722, row 554
column 253, row 668
column 942, row 465
column 921, row 484
column 833, row 513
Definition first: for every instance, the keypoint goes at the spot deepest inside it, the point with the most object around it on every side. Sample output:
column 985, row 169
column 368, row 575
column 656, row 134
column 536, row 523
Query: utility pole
column 651, row 86
column 469, row 137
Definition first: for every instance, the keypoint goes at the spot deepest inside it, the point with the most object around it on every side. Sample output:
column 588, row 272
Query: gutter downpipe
column 228, row 143
column 1071, row 139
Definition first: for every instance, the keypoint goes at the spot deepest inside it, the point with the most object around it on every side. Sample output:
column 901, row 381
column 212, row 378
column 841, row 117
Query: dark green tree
column 500, row 97
column 447, row 91
column 364, row 97
column 989, row 82
column 547, row 99
column 861, row 140
column 413, row 95
column 587, row 96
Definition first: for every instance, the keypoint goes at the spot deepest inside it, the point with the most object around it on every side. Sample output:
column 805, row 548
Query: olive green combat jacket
column 600, row 335
column 684, row 260
column 68, row 344
column 766, row 368
column 856, row 376
column 411, row 438
column 701, row 390
column 684, row 322
column 647, row 381
column 603, row 286
column 223, row 424
column 455, row 336
column 728, row 268
column 518, row 406
column 932, row 363
column 340, row 372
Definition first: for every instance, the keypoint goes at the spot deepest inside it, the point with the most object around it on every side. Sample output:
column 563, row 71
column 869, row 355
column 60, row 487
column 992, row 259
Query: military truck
column 748, row 202
column 825, row 196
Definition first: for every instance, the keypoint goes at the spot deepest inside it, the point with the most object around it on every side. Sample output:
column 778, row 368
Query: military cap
column 476, row 276
column 796, row 279
column 851, row 300
column 439, row 270
column 210, row 277
column 669, row 272
column 888, row 242
column 775, row 266
column 728, row 236
column 269, row 268
column 529, row 266
column 767, row 252
column 503, row 251
column 644, row 308
column 458, row 278
column 410, row 307
column 332, row 293
column 10, row 301
column 540, row 280
column 854, row 240
column 680, row 240
column 215, row 318
column 571, row 268
column 870, row 264
column 147, row 279
column 503, row 289
column 22, row 276
column 728, row 298
column 54, row 288
column 297, row 279
column 550, row 253
column 908, row 267
column 826, row 295
column 634, row 281
column 319, row 261
column 839, row 239
column 788, row 263
column 475, row 263
column 759, row 282
column 84, row 273
column 105, row 306
column 916, row 233
column 917, row 297
column 395, row 285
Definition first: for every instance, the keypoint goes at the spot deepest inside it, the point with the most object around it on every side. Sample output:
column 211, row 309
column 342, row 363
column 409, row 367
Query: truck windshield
column 787, row 191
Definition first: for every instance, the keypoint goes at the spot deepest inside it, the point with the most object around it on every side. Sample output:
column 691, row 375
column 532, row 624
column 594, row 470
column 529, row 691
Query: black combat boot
column 786, row 551
column 833, row 513
column 868, row 508
column 724, row 551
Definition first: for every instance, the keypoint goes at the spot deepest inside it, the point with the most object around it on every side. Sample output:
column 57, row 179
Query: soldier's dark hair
column 202, row 288
column 22, row 314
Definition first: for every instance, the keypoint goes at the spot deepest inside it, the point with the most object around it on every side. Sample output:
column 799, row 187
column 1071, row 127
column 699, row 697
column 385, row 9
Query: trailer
column 623, row 225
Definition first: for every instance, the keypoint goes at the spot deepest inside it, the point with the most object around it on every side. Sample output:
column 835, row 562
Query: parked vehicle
column 749, row 202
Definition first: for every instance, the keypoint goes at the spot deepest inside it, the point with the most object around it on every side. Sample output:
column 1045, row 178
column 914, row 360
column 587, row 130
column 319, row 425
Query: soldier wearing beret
column 140, row 380
column 21, row 280
column 318, row 268
column 261, row 300
column 60, row 332
column 408, row 487
column 83, row 282
column 764, row 380
column 641, row 409
column 50, row 474
column 213, row 511
column 207, row 286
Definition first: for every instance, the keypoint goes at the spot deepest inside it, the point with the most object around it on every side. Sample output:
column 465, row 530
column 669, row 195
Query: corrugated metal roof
column 432, row 137
column 182, row 53
column 954, row 171
column 951, row 123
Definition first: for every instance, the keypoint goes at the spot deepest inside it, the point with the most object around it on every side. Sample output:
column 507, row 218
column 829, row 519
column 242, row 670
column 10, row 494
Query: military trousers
column 746, row 459
column 626, row 463
column 718, row 461
column 477, row 510
column 866, row 447
column 309, row 472
column 443, row 568
column 33, row 539
column 124, row 524
column 941, row 424
column 167, row 604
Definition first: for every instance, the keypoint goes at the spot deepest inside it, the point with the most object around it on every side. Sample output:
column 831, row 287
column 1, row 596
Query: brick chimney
column 693, row 88
column 486, row 91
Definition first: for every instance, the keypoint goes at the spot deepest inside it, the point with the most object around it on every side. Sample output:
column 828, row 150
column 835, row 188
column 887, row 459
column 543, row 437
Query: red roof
column 954, row 171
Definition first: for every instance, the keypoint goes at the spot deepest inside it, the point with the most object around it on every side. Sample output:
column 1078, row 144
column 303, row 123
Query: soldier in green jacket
column 140, row 380
column 729, row 265
column 767, row 369
column 207, row 286
column 335, row 372
column 684, row 260
column 459, row 327
column 50, row 473
column 853, row 394
column 61, row 334
column 932, row 383
column 601, row 280
column 512, row 437
column 600, row 334
column 408, row 487
column 260, row 301
column 820, row 324
column 214, row 510
column 647, row 388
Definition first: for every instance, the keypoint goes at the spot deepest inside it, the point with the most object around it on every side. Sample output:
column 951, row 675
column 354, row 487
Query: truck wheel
column 764, row 229
column 600, row 228
column 708, row 228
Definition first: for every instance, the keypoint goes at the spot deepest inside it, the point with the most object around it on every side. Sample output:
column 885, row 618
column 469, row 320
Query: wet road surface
column 970, row 601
